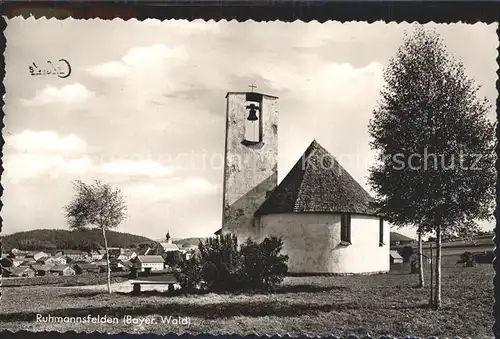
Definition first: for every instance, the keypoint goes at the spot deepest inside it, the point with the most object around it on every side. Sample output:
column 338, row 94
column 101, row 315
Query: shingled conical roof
column 318, row 183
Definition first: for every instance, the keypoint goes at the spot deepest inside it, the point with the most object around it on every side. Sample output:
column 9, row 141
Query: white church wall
column 312, row 242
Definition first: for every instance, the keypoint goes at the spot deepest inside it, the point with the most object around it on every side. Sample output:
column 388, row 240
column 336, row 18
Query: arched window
column 253, row 119
column 252, row 123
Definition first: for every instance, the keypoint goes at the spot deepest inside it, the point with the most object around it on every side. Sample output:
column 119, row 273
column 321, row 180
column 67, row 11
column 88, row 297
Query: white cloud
column 138, row 57
column 69, row 94
column 109, row 69
column 334, row 81
column 136, row 168
column 39, row 153
column 30, row 141
column 24, row 166
column 171, row 190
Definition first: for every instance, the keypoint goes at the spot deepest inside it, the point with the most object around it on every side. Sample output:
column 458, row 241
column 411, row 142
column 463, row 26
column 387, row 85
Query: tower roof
column 265, row 95
column 318, row 183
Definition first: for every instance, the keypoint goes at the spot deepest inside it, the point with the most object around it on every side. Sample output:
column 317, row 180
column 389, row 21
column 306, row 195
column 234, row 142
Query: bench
column 165, row 279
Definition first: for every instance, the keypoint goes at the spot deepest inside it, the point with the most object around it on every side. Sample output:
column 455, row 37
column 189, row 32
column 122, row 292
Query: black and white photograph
column 249, row 178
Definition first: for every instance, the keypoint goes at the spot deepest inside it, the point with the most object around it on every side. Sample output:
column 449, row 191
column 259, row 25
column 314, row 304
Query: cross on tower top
column 252, row 86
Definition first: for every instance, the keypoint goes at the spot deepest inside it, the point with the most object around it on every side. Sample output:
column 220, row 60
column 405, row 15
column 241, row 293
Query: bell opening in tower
column 253, row 121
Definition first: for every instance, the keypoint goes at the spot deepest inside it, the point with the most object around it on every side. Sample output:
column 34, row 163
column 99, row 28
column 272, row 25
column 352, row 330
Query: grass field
column 386, row 304
column 76, row 280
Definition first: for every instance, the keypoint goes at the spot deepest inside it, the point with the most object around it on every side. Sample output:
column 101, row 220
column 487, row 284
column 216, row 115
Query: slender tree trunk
column 431, row 282
column 107, row 259
column 437, row 293
column 420, row 262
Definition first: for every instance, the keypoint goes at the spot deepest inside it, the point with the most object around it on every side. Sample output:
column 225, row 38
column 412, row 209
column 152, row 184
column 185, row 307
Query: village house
column 81, row 268
column 127, row 254
column 62, row 270
column 59, row 259
column 117, row 265
column 16, row 253
column 324, row 216
column 17, row 262
column 28, row 262
column 102, row 264
column 395, row 257
column 148, row 262
column 47, row 261
column 74, row 255
column 398, row 239
column 168, row 246
column 21, row 271
column 41, row 270
column 95, row 255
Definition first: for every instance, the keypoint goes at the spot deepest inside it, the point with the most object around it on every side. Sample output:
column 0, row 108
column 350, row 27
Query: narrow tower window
column 252, row 123
column 253, row 118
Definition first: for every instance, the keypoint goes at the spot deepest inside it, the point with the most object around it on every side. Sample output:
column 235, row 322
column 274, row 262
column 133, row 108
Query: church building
column 325, row 218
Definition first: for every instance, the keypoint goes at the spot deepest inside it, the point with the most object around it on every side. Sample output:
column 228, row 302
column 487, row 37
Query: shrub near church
column 221, row 267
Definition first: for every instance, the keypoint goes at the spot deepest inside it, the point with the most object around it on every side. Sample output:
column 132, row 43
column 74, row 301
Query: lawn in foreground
column 380, row 304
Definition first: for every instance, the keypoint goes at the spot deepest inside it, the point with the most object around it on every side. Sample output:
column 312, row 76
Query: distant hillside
column 63, row 239
column 188, row 242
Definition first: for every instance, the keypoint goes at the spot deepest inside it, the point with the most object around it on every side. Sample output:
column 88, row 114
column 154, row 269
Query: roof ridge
column 304, row 171
column 316, row 184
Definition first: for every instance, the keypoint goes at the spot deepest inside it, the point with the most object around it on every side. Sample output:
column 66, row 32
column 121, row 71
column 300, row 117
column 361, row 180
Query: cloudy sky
column 144, row 106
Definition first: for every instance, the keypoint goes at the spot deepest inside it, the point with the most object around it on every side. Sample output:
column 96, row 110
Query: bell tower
column 250, row 160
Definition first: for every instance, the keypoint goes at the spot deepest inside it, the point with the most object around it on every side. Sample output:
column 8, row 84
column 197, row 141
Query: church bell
column 252, row 116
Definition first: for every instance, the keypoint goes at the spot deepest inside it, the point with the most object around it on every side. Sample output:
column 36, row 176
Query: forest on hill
column 85, row 240
column 186, row 242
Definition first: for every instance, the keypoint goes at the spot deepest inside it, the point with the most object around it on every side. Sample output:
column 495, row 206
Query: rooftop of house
column 86, row 265
column 395, row 255
column 17, row 270
column 42, row 267
column 150, row 259
column 400, row 237
column 59, row 268
column 169, row 246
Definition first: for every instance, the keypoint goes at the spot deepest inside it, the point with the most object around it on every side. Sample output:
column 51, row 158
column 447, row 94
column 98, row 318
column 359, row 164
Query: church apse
column 250, row 160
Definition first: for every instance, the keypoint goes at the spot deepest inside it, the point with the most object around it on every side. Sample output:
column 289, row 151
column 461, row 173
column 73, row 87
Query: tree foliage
column 190, row 273
column 96, row 205
column 435, row 144
column 468, row 259
column 430, row 107
column 173, row 258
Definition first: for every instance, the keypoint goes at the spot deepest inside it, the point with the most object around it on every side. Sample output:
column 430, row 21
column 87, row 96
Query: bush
column 173, row 258
column 190, row 273
column 221, row 267
column 467, row 258
column 263, row 265
column 221, row 263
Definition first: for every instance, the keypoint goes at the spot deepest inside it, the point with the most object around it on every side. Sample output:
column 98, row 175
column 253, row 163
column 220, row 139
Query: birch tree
column 96, row 205
column 435, row 144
